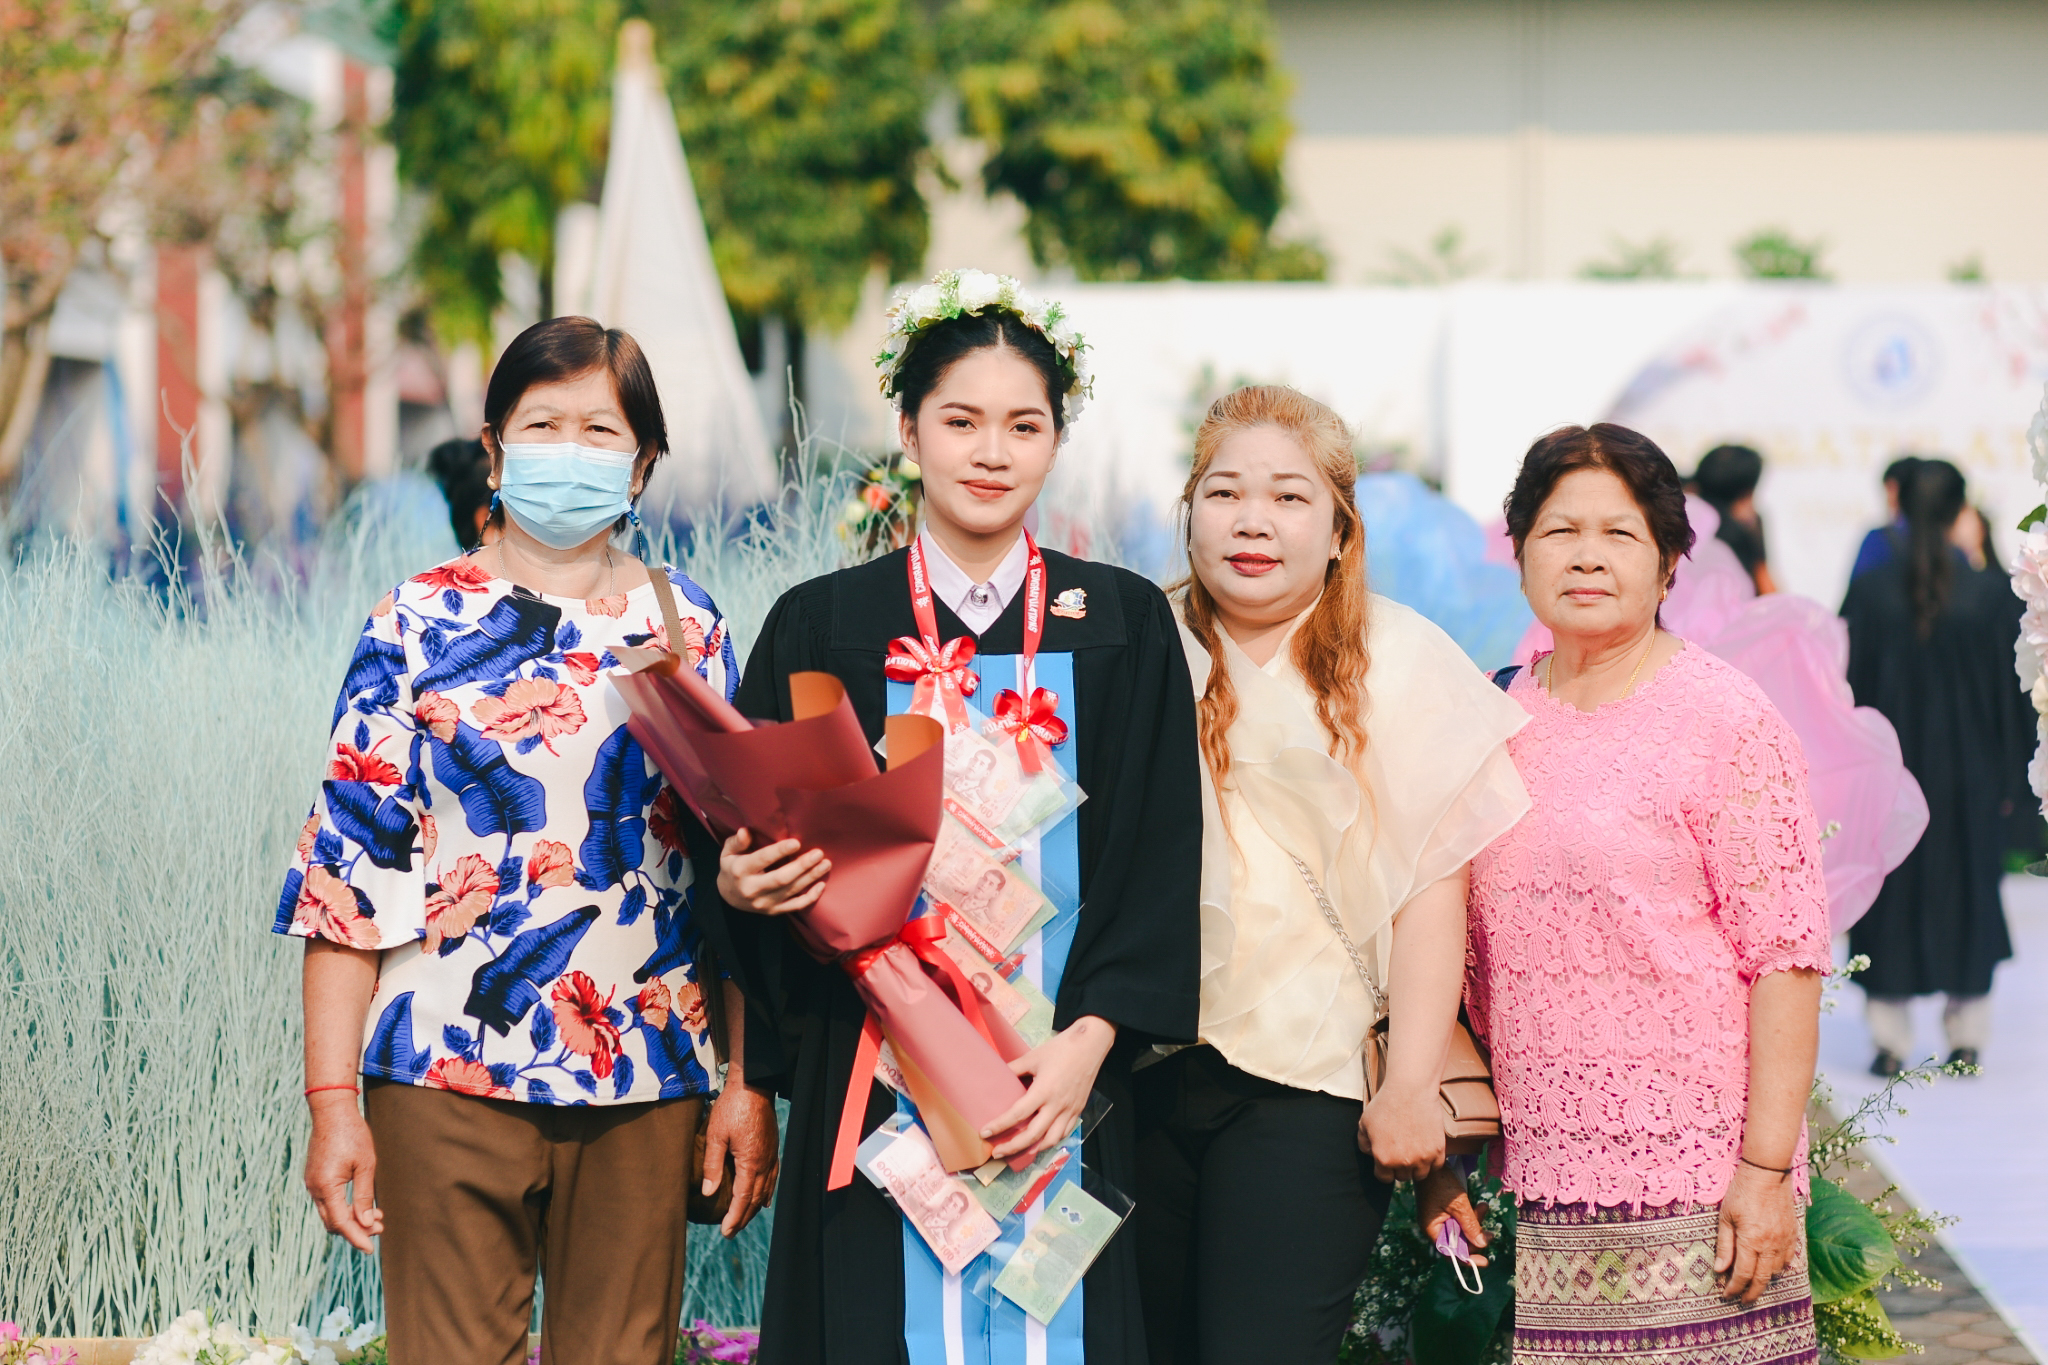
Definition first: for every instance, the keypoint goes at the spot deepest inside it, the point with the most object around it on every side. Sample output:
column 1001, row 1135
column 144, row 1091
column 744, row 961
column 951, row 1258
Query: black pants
column 1256, row 1214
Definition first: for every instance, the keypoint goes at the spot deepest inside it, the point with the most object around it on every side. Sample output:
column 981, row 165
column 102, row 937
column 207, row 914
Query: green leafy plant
column 1855, row 1247
column 1443, row 261
column 1775, row 254
column 1411, row 1307
column 1656, row 259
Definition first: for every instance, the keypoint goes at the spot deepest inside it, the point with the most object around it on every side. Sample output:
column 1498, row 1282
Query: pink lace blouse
column 1671, row 858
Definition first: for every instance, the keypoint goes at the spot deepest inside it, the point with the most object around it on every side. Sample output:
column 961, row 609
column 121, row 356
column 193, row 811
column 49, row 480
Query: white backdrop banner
column 1830, row 382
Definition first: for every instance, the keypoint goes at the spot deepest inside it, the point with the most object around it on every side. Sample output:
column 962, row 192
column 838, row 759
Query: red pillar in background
column 177, row 362
column 347, row 330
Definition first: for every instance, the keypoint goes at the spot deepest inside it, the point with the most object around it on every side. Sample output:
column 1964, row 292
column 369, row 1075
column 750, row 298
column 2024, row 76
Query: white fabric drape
column 1280, row 997
column 653, row 277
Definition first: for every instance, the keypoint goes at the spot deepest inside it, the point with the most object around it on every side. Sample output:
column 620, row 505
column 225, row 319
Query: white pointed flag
column 653, row 278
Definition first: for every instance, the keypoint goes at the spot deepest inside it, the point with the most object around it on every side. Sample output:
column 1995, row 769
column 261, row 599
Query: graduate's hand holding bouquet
column 774, row 880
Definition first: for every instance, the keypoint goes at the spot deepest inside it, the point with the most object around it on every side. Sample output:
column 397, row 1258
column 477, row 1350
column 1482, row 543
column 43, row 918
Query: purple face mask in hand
column 1450, row 1241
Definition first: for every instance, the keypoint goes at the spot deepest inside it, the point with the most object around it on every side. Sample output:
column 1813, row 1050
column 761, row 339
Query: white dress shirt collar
column 978, row 605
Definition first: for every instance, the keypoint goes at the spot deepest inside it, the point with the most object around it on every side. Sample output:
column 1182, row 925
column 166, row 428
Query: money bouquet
column 815, row 779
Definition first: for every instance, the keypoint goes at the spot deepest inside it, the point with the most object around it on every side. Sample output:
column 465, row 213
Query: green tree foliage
column 1145, row 138
column 96, row 99
column 500, row 111
column 804, row 124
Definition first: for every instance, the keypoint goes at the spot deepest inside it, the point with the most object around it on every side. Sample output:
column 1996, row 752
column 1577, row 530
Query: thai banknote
column 1057, row 1251
column 942, row 1208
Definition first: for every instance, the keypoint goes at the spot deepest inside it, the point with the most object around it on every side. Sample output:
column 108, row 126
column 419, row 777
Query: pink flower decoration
column 606, row 606
column 551, row 864
column 690, row 1004
column 587, row 1029
column 306, row 838
column 462, row 898
column 582, row 667
column 465, row 1077
column 666, row 820
column 463, row 575
column 351, row 764
column 654, row 1003
column 327, row 909
column 531, row 706
column 438, row 714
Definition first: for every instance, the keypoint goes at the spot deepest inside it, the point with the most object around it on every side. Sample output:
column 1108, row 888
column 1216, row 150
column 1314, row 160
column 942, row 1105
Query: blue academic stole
column 943, row 1322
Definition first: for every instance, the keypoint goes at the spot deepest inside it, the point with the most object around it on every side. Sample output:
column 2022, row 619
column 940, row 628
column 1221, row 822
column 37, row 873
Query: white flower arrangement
column 2030, row 581
column 195, row 1339
column 963, row 293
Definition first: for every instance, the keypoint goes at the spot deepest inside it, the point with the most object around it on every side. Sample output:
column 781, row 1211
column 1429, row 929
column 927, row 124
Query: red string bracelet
column 316, row 1089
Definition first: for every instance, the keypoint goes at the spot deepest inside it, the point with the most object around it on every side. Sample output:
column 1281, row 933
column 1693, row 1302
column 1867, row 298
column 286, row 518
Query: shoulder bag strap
column 671, row 619
column 1379, row 999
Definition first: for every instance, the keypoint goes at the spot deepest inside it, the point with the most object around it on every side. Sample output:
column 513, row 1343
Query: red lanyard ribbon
column 942, row 670
column 936, row 669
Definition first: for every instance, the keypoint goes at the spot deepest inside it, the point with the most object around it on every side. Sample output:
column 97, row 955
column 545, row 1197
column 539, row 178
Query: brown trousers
column 478, row 1193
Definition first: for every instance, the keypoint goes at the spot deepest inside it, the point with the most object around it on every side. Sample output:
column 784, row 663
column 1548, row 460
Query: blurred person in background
column 463, row 469
column 1931, row 634
column 1880, row 543
column 1726, row 480
column 1647, row 945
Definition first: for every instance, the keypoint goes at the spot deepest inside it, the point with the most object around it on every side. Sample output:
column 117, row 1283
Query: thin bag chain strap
column 1379, row 999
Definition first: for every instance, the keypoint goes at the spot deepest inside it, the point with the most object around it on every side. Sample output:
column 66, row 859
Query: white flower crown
column 961, row 293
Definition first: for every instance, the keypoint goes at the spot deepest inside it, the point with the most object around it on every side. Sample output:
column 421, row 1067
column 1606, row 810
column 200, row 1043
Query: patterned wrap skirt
column 1637, row 1288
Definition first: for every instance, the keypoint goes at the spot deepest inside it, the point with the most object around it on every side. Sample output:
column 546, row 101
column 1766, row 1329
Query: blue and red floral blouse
column 488, row 821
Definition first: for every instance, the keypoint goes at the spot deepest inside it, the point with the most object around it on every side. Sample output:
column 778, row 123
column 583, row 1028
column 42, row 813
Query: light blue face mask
column 562, row 495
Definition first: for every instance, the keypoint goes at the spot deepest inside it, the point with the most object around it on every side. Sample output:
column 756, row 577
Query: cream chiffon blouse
column 1280, row 997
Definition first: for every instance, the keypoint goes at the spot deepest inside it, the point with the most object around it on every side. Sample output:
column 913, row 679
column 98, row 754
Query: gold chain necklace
column 1550, row 674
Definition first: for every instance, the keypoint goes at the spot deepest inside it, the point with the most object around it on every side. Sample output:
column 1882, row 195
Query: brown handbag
column 1471, row 1112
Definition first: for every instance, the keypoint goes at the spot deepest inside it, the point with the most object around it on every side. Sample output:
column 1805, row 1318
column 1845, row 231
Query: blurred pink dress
column 1798, row 652
column 1671, row 857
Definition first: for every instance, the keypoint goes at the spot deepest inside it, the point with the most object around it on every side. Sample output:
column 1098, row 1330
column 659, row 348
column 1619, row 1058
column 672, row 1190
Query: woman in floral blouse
column 498, row 904
column 1647, row 946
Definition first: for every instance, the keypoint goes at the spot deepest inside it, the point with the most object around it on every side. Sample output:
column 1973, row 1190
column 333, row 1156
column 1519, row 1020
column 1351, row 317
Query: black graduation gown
column 1966, row 731
column 835, row 1273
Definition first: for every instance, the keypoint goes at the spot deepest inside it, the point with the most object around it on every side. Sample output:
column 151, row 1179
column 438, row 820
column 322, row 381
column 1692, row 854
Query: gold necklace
column 1550, row 675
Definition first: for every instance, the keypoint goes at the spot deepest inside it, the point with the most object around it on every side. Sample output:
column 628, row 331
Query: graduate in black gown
column 983, row 402
column 1931, row 647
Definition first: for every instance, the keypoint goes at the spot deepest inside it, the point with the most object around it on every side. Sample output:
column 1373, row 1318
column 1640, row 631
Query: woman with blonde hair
column 1354, row 761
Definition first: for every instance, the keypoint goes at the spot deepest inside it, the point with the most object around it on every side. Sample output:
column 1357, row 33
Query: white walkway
column 1973, row 1148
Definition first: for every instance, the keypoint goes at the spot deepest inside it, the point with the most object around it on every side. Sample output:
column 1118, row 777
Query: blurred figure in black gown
column 1726, row 480
column 1931, row 635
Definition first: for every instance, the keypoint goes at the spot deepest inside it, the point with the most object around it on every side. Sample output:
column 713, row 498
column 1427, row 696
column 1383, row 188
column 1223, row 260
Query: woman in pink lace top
column 1646, row 948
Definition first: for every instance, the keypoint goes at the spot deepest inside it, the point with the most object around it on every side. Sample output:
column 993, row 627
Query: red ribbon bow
column 941, row 669
column 1036, row 727
column 922, row 937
